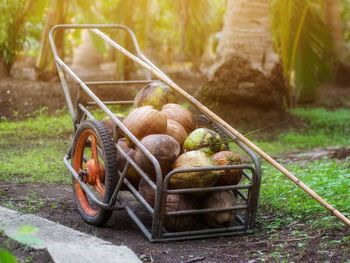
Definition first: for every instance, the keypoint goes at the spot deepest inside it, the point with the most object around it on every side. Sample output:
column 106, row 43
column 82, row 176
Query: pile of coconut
column 170, row 132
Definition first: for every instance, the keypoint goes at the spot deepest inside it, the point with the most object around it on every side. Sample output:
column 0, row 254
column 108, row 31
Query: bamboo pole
column 144, row 62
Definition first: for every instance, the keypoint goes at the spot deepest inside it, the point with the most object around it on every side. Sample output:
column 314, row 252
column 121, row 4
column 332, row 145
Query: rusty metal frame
column 252, row 172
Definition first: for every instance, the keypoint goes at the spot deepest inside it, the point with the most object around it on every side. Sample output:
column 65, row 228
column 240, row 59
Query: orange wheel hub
column 92, row 172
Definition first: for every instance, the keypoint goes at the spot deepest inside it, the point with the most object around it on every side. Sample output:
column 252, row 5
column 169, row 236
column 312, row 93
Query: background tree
column 55, row 14
column 14, row 15
column 246, row 76
column 303, row 41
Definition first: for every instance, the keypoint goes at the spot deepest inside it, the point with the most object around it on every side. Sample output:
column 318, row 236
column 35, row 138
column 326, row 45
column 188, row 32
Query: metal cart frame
column 252, row 172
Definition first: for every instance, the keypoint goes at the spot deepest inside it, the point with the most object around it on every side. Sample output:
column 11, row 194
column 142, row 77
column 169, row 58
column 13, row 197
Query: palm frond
column 196, row 20
column 303, row 42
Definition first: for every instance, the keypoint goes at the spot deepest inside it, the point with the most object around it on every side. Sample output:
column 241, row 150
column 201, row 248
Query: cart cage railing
column 160, row 186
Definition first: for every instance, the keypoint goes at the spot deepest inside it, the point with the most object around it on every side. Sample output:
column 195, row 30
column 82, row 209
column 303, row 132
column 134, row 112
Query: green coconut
column 193, row 179
column 205, row 140
column 228, row 177
column 155, row 94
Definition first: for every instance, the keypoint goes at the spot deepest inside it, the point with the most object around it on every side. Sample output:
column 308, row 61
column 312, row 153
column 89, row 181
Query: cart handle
column 91, row 27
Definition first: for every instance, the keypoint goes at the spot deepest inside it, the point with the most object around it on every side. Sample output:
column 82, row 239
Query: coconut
column 218, row 199
column 204, row 140
column 111, row 127
column 227, row 177
column 144, row 121
column 181, row 115
column 163, row 147
column 175, row 202
column 132, row 175
column 193, row 179
column 177, row 131
column 155, row 94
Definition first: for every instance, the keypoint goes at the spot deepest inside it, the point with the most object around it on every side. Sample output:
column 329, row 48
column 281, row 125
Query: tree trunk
column 333, row 19
column 341, row 53
column 247, row 75
column 55, row 15
column 4, row 69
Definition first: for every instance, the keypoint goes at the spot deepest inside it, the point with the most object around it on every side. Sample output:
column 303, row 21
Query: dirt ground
column 56, row 203
column 21, row 97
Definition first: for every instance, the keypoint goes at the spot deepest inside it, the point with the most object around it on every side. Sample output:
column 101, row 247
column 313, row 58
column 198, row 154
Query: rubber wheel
column 94, row 159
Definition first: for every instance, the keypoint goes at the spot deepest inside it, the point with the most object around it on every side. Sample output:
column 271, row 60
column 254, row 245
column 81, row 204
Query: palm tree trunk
column 333, row 19
column 4, row 69
column 247, row 71
column 340, row 51
column 55, row 15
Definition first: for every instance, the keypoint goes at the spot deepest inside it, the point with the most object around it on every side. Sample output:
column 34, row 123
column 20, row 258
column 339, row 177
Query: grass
column 32, row 151
column 323, row 128
column 328, row 178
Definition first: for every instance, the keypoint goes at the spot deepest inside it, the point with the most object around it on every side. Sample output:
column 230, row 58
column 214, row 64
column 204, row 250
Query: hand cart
column 97, row 179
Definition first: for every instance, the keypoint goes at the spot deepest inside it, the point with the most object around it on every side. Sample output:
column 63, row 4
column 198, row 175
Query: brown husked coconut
column 193, row 159
column 218, row 199
column 144, row 121
column 177, row 131
column 132, row 175
column 180, row 114
column 113, row 129
column 163, row 147
column 228, row 177
column 155, row 94
column 175, row 202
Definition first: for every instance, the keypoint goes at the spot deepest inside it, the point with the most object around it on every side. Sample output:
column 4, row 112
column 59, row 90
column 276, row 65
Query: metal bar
column 204, row 231
column 84, row 186
column 241, row 195
column 239, row 219
column 118, row 82
column 85, row 110
column 125, row 102
column 66, row 91
column 198, row 236
column 138, row 222
column 208, row 189
column 139, row 197
column 247, row 176
column 93, row 26
column 137, row 168
column 120, row 182
column 206, row 210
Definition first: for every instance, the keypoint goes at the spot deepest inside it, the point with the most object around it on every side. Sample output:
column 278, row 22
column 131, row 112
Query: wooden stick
column 144, row 62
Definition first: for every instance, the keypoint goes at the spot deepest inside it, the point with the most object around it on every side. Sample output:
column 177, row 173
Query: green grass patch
column 43, row 125
column 329, row 178
column 42, row 163
column 323, row 129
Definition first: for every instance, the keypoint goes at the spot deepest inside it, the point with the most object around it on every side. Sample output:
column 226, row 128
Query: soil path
column 55, row 202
